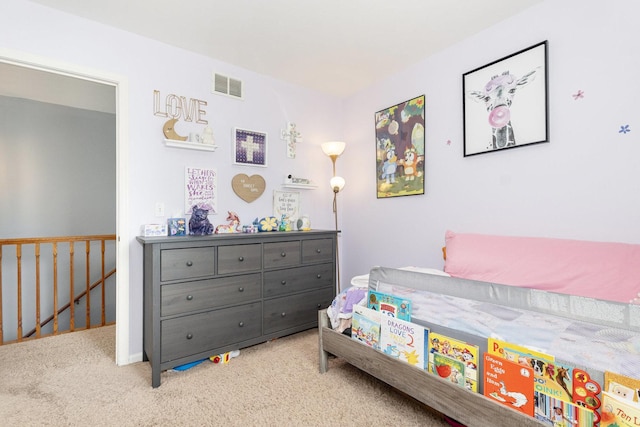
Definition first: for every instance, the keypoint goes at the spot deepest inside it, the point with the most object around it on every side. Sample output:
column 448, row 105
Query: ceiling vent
column 224, row 85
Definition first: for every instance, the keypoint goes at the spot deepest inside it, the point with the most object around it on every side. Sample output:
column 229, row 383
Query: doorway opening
column 97, row 81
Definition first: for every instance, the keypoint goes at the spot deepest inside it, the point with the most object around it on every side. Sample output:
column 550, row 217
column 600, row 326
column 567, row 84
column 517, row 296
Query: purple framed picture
column 249, row 147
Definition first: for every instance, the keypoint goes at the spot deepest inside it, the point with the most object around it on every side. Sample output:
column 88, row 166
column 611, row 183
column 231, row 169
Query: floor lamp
column 334, row 149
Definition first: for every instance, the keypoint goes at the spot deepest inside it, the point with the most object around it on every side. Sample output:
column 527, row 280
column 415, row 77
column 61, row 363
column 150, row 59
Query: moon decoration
column 170, row 131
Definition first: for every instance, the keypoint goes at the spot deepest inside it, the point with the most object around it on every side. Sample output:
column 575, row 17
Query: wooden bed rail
column 38, row 290
column 466, row 407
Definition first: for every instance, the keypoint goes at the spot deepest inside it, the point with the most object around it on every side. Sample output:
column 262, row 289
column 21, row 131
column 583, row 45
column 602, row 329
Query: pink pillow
column 609, row 271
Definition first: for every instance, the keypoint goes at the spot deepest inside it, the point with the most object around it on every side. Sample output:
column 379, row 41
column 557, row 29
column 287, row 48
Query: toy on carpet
column 224, row 358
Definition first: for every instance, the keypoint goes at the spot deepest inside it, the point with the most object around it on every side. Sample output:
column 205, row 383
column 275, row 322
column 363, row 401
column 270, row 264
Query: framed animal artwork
column 400, row 149
column 505, row 103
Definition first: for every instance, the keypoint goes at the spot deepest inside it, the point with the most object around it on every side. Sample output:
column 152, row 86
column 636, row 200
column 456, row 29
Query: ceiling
column 337, row 47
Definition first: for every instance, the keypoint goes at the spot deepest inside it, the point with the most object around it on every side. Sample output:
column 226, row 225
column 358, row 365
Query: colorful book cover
column 459, row 350
column 552, row 378
column 587, row 392
column 618, row 412
column 512, row 351
column 365, row 326
column 404, row 340
column 556, row 381
column 559, row 413
column 177, row 226
column 390, row 305
column 622, row 387
column 509, row 383
column 448, row 368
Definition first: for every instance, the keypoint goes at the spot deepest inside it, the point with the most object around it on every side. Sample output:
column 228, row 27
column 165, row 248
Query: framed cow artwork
column 505, row 103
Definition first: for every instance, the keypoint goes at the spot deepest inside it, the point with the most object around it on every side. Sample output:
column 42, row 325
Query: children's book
column 448, row 368
column 622, row 387
column 559, row 413
column 177, row 226
column 552, row 378
column 365, row 326
column 515, row 352
column 459, row 350
column 390, row 305
column 587, row 392
column 618, row 412
column 509, row 383
column 404, row 340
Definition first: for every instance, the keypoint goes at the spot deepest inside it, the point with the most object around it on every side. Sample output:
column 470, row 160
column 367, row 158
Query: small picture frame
column 505, row 103
column 249, row 147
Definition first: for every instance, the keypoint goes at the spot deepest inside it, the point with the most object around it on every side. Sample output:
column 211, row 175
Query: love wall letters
column 178, row 107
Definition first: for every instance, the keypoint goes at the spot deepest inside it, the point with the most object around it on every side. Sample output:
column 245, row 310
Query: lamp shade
column 333, row 148
column 337, row 183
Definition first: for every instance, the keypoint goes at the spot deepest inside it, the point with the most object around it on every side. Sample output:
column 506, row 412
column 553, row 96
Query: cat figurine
column 199, row 224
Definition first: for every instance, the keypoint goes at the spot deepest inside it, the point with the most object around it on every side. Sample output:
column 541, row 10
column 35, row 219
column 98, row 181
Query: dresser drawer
column 188, row 297
column 187, row 263
column 317, row 250
column 281, row 254
column 184, row 336
column 239, row 258
column 281, row 282
column 296, row 310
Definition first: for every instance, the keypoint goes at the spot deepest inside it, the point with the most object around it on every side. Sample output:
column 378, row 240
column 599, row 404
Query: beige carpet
column 72, row 380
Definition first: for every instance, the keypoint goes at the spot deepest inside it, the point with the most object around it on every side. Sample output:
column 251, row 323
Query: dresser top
column 268, row 235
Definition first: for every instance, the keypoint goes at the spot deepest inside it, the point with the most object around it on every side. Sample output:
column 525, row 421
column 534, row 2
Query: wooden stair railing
column 75, row 300
column 53, row 276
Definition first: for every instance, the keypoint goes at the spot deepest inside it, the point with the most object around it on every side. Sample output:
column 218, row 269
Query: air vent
column 224, row 85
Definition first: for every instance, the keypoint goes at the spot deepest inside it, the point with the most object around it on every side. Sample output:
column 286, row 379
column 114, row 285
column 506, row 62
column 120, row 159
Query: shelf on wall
column 304, row 186
column 189, row 145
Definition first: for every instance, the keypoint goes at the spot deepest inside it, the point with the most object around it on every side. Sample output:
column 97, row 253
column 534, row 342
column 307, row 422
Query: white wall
column 157, row 172
column 584, row 184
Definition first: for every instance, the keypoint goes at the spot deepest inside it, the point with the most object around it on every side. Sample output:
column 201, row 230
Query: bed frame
column 468, row 408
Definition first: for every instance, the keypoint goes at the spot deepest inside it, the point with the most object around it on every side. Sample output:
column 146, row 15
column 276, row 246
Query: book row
column 529, row 381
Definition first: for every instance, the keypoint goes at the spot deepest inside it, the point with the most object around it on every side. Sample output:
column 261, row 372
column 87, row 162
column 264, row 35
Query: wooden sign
column 248, row 188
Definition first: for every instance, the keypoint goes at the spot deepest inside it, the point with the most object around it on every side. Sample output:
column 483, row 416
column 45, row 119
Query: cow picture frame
column 505, row 103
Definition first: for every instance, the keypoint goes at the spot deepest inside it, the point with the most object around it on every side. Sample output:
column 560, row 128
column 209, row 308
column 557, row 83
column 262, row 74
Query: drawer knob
column 283, row 314
column 189, row 263
column 240, row 289
column 284, row 282
column 319, row 305
column 189, row 297
column 319, row 276
column 241, row 324
column 283, row 254
column 241, row 259
column 189, row 336
column 318, row 251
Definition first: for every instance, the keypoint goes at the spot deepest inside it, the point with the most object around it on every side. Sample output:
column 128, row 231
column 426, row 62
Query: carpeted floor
column 72, row 380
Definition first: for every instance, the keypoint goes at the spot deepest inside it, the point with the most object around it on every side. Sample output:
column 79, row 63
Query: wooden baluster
column 38, row 326
column 104, row 297
column 72, row 306
column 1, row 327
column 88, row 288
column 55, row 288
column 19, row 288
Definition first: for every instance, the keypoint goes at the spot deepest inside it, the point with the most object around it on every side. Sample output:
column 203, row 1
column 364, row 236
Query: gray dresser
column 206, row 295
